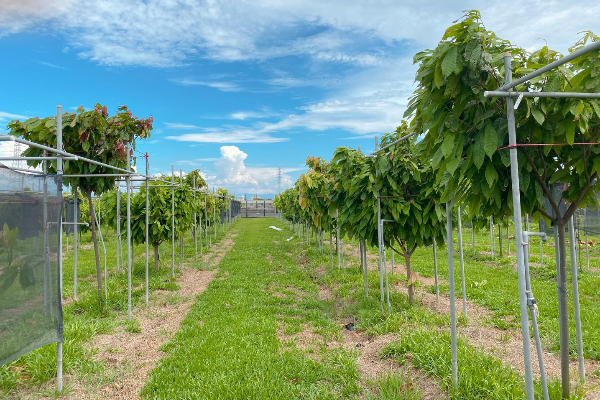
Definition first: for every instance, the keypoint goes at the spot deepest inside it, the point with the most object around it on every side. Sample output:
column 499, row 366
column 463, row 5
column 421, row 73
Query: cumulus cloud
column 231, row 169
column 232, row 173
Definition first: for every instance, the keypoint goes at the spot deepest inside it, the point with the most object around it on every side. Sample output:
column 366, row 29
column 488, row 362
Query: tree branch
column 542, row 183
column 582, row 193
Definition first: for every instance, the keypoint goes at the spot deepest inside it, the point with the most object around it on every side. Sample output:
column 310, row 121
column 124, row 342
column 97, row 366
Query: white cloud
column 177, row 125
column 242, row 135
column 231, row 169
column 170, row 33
column 47, row 64
column 222, row 86
column 233, row 174
column 244, row 115
column 6, row 116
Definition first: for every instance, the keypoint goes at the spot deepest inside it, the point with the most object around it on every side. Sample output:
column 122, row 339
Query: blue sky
column 240, row 88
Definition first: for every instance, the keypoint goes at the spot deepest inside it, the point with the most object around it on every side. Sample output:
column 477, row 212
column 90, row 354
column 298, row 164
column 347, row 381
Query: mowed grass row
column 493, row 284
column 229, row 344
column 423, row 340
column 85, row 317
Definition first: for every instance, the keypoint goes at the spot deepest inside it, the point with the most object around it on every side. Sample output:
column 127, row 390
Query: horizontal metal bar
column 73, row 223
column 93, row 175
column 61, row 152
column 33, row 171
column 34, row 158
column 575, row 95
column 393, row 143
column 552, row 65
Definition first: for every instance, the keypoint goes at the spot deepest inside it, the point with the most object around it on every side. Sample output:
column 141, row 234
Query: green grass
column 229, row 346
column 493, row 283
column 395, row 387
column 85, row 317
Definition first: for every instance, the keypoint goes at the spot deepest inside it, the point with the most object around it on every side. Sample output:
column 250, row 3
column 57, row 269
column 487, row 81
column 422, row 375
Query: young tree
column 92, row 134
column 312, row 197
column 466, row 133
column 159, row 217
column 408, row 196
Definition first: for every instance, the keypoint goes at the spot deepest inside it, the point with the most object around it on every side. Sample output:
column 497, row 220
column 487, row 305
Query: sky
column 239, row 89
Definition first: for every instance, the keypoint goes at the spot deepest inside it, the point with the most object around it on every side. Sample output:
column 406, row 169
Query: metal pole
column 173, row 221
column 392, row 251
column 500, row 238
column 508, row 238
column 533, row 312
column 128, row 236
column 181, row 236
column 337, row 238
column 585, row 231
column 147, row 223
column 462, row 263
column 59, row 173
column 387, row 287
column 75, row 240
column 330, row 246
column 516, row 197
column 473, row 236
column 206, row 237
column 363, row 250
column 435, row 273
column 575, row 286
column 379, row 238
column 195, row 220
column 119, row 249
column 508, row 85
column 492, row 235
column 452, row 295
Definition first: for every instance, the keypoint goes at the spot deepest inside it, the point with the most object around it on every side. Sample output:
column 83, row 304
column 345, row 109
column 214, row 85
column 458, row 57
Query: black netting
column 222, row 215
column 68, row 215
column 30, row 310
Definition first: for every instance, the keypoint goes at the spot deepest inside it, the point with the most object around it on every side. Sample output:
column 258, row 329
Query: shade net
column 30, row 310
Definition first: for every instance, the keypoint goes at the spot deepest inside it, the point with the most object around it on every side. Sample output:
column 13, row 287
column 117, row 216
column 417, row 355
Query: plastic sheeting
column 30, row 307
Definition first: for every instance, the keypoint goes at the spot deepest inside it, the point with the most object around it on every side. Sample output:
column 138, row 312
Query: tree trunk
column 95, row 241
column 156, row 256
column 563, row 310
column 411, row 285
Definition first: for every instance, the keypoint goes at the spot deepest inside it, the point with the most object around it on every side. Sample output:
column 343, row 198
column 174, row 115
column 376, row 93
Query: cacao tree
column 92, row 134
column 466, row 133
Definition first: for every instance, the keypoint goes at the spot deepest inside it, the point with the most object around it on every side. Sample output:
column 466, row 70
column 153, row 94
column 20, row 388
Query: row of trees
column 461, row 153
column 96, row 135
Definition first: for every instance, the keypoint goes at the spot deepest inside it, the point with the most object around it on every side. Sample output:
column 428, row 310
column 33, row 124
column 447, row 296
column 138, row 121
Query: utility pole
column 278, row 180
column 17, row 150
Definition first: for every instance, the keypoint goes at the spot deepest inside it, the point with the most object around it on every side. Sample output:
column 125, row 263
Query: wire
column 545, row 144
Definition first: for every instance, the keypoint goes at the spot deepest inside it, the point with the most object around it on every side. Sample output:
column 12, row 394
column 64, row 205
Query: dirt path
column 129, row 357
column 370, row 365
column 505, row 345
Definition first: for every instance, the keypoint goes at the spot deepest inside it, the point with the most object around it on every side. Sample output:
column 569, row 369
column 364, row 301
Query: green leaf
column 578, row 109
column 437, row 76
column 452, row 164
column 490, row 174
column 448, row 145
column 490, row 140
column 449, row 61
column 478, row 156
column 474, row 56
column 570, row 133
column 538, row 115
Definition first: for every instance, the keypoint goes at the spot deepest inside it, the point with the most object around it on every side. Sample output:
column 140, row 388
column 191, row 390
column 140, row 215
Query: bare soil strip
column 129, row 357
column 504, row 344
